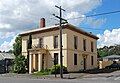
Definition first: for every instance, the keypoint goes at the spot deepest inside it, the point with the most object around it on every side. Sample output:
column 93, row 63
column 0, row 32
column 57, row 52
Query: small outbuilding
column 112, row 58
column 6, row 62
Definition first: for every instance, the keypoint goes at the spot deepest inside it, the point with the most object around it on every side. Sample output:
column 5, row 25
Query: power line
column 101, row 14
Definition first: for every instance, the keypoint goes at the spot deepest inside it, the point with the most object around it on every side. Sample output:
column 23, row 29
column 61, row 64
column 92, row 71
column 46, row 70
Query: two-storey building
column 78, row 46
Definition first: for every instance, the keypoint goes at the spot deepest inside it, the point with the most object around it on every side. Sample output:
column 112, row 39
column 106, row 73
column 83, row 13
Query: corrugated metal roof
column 6, row 56
column 112, row 56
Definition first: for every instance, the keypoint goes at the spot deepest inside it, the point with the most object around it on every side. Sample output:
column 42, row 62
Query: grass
column 43, row 72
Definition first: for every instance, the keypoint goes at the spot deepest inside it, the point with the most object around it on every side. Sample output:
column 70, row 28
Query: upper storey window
column 84, row 44
column 55, row 41
column 75, row 42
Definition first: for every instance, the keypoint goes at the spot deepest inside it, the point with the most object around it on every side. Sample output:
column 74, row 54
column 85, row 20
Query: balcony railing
column 38, row 46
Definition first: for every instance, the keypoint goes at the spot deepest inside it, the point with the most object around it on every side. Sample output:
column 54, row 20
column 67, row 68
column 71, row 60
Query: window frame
column 92, row 60
column 84, row 44
column 75, row 42
column 75, row 58
column 56, row 41
column 41, row 42
column 92, row 46
column 56, row 58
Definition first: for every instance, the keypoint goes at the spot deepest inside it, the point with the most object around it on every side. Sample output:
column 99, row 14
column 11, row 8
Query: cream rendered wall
column 68, row 48
column 70, row 61
column 48, row 39
column 35, row 42
column 79, row 51
column 24, row 46
column 51, row 58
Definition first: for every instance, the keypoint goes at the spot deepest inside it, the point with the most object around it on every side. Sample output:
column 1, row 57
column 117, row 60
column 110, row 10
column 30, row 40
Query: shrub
column 19, row 64
column 52, row 70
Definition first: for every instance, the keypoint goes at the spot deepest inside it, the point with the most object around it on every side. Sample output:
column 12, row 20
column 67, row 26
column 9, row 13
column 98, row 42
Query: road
column 113, row 77
column 82, row 80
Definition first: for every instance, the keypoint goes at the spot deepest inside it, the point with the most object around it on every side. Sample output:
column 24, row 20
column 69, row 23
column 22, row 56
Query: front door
column 36, row 62
column 43, row 57
column 84, row 63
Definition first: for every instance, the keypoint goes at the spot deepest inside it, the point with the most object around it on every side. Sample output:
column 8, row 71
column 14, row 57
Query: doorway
column 84, row 63
column 43, row 57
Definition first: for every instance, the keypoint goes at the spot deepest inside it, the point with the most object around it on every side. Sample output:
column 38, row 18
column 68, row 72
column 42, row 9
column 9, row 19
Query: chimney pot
column 42, row 22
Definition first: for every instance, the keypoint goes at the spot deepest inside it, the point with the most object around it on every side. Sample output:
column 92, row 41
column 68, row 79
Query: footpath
column 91, row 74
column 65, row 76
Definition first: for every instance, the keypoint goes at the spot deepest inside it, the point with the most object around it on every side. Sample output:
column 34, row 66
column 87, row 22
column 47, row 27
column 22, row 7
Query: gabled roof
column 6, row 56
column 56, row 27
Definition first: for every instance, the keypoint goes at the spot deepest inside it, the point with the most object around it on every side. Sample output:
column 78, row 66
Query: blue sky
column 17, row 16
column 112, row 20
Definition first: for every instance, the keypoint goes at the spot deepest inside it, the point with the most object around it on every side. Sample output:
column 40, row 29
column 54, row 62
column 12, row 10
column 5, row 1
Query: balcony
column 38, row 48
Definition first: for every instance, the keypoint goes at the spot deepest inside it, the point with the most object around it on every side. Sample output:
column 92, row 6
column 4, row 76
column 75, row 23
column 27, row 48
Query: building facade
column 78, row 46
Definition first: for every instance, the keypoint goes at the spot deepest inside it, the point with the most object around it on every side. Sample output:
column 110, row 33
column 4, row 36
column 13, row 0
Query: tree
column 17, row 46
column 19, row 64
column 30, row 42
column 106, row 51
column 3, row 51
column 19, row 61
column 29, row 47
column 9, row 51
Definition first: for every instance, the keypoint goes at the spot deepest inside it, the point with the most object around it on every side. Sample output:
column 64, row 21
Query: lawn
column 41, row 73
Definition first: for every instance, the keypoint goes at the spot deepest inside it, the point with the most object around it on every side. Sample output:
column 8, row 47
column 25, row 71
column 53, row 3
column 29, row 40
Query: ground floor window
column 55, row 58
column 92, row 60
column 75, row 59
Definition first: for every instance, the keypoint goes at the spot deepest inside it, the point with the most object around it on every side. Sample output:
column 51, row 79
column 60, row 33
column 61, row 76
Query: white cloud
column 21, row 15
column 6, row 34
column 109, row 38
column 5, row 46
column 73, row 15
column 4, row 26
column 95, row 23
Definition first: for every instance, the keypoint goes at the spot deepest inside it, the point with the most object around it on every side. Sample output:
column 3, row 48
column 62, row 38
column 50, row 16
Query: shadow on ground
column 96, row 71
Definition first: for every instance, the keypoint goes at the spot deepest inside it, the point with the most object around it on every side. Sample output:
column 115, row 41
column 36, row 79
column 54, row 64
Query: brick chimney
column 42, row 22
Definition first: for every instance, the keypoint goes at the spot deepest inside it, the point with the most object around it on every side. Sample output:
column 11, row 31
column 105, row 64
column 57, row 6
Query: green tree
column 30, row 42
column 19, row 64
column 17, row 46
column 9, row 51
column 106, row 51
column 19, row 61
column 29, row 47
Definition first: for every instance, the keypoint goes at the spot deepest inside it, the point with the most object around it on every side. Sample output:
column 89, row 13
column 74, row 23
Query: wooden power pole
column 60, row 18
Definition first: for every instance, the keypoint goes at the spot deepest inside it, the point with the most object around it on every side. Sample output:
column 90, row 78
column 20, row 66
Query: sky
column 17, row 16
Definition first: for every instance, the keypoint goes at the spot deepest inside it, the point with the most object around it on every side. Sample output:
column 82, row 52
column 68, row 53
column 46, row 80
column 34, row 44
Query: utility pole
column 60, row 18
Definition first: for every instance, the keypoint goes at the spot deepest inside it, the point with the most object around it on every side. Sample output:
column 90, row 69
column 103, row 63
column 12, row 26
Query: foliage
column 17, row 46
column 30, row 42
column 52, row 70
column 19, row 61
column 29, row 47
column 106, row 51
column 9, row 51
column 42, row 72
column 19, row 64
